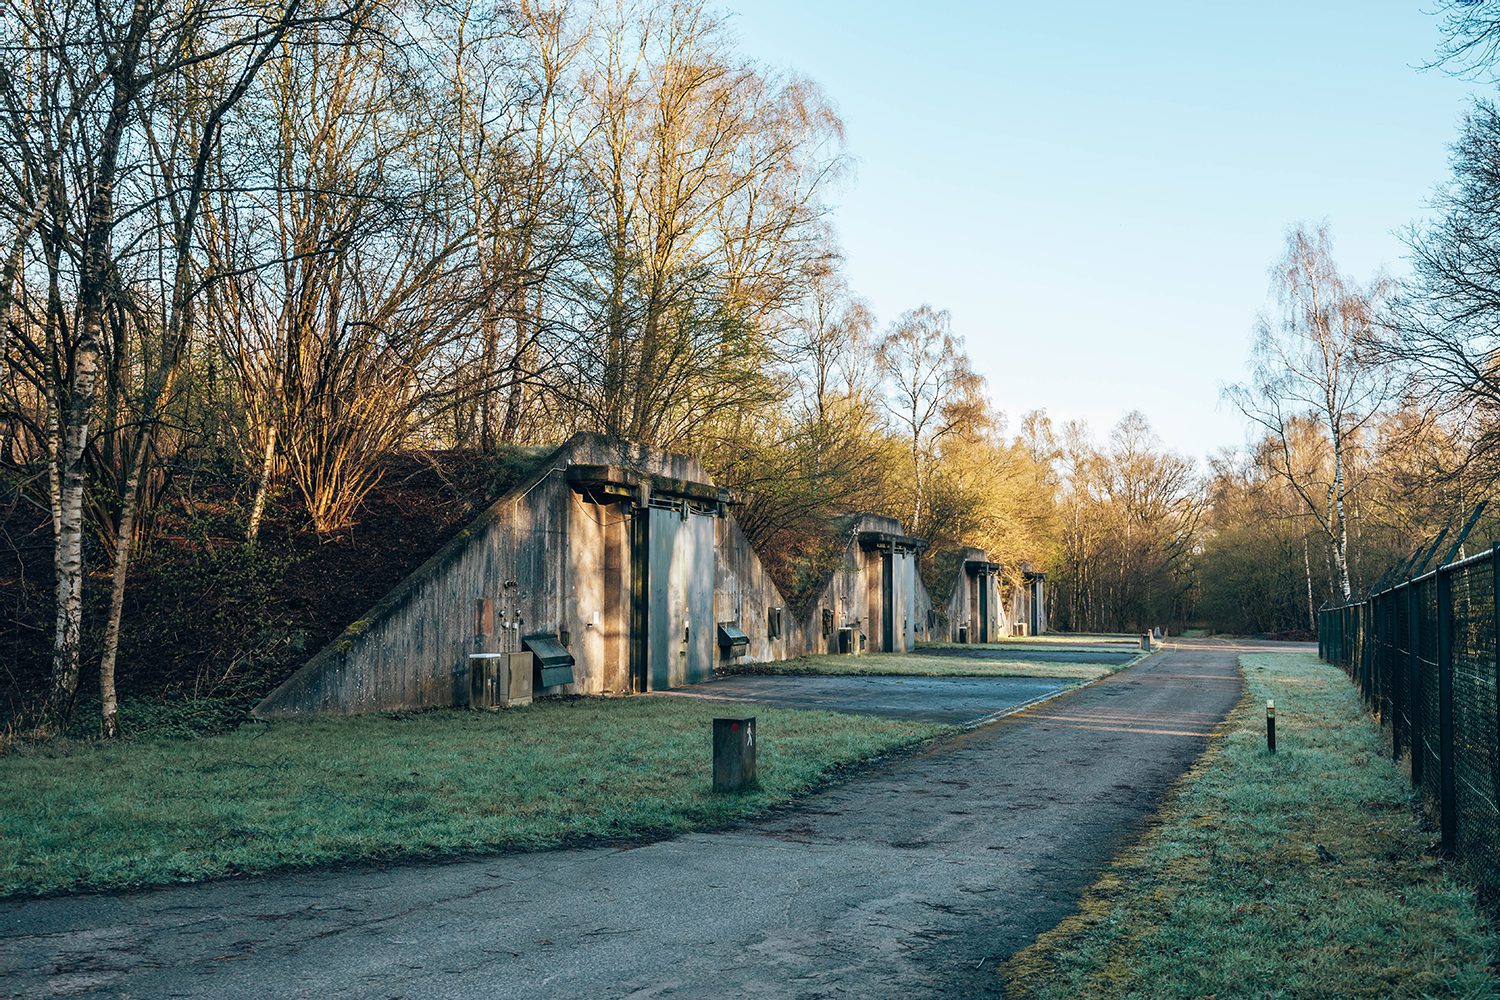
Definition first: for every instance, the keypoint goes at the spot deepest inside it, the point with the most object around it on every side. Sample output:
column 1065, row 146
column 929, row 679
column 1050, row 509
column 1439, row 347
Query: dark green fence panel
column 1425, row 655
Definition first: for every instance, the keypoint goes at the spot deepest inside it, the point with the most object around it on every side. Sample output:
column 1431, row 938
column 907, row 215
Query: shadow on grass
column 433, row 784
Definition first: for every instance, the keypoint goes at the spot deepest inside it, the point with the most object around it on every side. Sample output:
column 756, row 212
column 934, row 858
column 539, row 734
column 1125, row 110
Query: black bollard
column 734, row 754
column 1271, row 725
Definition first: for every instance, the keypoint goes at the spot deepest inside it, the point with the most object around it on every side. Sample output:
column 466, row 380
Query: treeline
column 270, row 244
column 251, row 252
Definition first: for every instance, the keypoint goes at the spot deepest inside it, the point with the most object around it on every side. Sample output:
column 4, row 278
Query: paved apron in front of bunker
column 954, row 700
column 1104, row 657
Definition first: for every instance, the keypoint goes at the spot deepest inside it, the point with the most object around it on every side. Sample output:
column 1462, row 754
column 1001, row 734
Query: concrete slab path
column 954, row 700
column 1108, row 656
column 913, row 879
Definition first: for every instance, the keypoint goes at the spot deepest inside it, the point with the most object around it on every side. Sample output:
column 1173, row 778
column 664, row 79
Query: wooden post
column 1271, row 725
column 734, row 754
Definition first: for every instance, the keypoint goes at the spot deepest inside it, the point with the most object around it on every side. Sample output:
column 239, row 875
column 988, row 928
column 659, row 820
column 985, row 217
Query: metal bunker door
column 680, row 596
column 887, row 602
column 984, row 607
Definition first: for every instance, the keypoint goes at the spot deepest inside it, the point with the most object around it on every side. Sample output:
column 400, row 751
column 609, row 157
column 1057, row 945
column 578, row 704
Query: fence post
column 1347, row 660
column 1495, row 619
column 1387, row 661
column 1447, row 792
column 1366, row 650
column 1414, row 681
column 1397, row 704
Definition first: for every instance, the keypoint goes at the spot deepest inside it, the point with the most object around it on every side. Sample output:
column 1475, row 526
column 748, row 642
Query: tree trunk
column 109, row 724
column 1340, row 523
column 262, row 485
column 1312, row 614
column 489, row 419
column 70, row 476
column 519, row 369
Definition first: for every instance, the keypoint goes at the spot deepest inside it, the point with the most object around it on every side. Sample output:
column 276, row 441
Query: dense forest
column 297, row 285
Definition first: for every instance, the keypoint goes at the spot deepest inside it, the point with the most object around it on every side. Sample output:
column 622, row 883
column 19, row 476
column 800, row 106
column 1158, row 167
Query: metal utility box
column 963, row 633
column 554, row 664
column 499, row 680
column 846, row 640
column 773, row 623
column 732, row 639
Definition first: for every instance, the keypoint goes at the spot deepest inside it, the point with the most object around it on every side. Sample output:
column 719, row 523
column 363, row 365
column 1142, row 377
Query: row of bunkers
column 623, row 570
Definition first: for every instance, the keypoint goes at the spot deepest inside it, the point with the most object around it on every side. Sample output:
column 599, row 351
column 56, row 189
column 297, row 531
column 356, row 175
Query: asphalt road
column 914, row 879
column 954, row 700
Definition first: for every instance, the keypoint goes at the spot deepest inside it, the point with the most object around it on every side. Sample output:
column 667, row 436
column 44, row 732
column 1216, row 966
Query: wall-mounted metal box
column 499, row 680
column 773, row 623
column 553, row 661
column 846, row 640
column 963, row 633
column 732, row 639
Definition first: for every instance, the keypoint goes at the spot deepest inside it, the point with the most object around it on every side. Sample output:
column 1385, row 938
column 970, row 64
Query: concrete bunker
column 1029, row 603
column 870, row 599
column 966, row 596
column 596, row 568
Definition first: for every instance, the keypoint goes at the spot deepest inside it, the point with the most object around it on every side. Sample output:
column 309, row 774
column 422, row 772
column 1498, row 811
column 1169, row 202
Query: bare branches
column 1315, row 362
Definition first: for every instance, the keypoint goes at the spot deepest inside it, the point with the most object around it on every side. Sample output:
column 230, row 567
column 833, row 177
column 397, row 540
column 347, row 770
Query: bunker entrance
column 669, row 625
column 679, row 625
column 672, row 613
column 887, row 604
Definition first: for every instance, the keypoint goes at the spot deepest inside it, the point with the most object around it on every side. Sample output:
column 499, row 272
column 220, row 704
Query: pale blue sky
column 1097, row 190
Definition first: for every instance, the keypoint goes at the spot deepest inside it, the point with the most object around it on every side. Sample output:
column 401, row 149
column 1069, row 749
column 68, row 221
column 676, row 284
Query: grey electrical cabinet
column 499, row 680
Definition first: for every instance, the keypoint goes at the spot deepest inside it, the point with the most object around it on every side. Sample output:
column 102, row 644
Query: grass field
column 94, row 816
column 1299, row 874
column 918, row 665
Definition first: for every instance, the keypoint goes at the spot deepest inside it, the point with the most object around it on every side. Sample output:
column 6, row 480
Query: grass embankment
column 324, row 790
column 919, row 665
column 1230, row 895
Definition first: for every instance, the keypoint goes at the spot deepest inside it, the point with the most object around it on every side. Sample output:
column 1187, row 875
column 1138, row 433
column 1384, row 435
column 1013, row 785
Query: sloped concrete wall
column 540, row 559
column 546, row 558
column 745, row 594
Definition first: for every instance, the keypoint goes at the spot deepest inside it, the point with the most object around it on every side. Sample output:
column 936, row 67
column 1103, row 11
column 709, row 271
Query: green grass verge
column 918, row 665
column 1229, row 896
column 96, row 816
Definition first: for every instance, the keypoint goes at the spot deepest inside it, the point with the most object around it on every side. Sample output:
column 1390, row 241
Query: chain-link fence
column 1424, row 654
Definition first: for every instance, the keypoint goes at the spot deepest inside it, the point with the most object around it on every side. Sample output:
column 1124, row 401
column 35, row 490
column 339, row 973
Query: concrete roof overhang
column 624, row 483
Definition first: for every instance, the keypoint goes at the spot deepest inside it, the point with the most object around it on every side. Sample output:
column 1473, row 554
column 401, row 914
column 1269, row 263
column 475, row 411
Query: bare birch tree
column 932, row 389
column 1314, row 361
column 111, row 114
